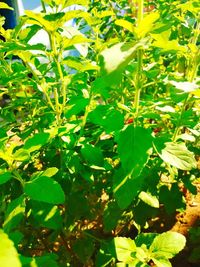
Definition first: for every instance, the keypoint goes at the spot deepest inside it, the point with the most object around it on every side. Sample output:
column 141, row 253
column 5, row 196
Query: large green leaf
column 133, row 146
column 178, row 156
column 8, row 253
column 45, row 189
column 167, row 245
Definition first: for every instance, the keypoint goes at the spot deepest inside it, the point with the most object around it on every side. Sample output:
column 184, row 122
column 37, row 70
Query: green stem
column 138, row 82
column 140, row 11
column 43, row 6
column 60, row 76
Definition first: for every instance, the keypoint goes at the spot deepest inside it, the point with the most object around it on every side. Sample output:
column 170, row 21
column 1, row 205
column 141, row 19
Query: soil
column 184, row 222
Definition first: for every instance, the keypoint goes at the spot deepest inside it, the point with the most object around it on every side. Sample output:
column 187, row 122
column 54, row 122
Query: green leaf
column 14, row 214
column 146, row 25
column 107, row 117
column 84, row 248
column 5, row 176
column 178, row 156
column 111, row 216
column 5, row 6
column 36, row 142
column 126, row 188
column 81, row 66
column 125, row 24
column 133, row 146
column 161, row 40
column 162, row 262
column 149, row 199
column 45, row 189
column 167, row 245
column 38, row 19
column 93, row 155
column 50, row 172
column 113, row 61
column 21, row 155
column 145, row 238
column 124, row 247
column 8, row 253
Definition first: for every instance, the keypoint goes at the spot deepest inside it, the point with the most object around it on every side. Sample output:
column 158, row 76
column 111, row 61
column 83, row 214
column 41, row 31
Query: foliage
column 99, row 131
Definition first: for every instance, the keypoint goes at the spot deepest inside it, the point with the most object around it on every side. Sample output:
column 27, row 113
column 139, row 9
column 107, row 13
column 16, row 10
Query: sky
column 31, row 4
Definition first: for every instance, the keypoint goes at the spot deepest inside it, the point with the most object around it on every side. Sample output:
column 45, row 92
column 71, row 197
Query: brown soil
column 184, row 222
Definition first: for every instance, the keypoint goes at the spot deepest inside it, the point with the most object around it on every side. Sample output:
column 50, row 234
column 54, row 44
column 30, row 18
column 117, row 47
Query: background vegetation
column 98, row 147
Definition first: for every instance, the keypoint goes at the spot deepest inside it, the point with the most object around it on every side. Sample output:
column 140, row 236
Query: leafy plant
column 95, row 145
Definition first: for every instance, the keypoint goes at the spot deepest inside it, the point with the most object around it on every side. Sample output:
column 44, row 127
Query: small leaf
column 50, row 172
column 8, row 253
column 162, row 262
column 149, row 199
column 125, row 24
column 167, row 245
column 5, row 6
column 124, row 247
column 178, row 156
column 45, row 189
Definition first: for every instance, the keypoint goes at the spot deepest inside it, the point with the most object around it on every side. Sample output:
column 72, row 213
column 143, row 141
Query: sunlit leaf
column 5, row 6
column 149, row 199
column 8, row 253
column 167, row 245
column 178, row 156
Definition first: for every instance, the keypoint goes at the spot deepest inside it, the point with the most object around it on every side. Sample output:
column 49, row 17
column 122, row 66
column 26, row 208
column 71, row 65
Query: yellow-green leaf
column 5, row 6
column 125, row 24
column 147, row 24
column 8, row 253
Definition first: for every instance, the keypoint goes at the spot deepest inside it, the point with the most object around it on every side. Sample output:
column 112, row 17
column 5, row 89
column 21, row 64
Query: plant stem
column 60, row 76
column 138, row 82
column 43, row 6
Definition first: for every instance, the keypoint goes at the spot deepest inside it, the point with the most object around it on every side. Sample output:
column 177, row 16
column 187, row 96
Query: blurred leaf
column 5, row 176
column 8, row 253
column 5, row 6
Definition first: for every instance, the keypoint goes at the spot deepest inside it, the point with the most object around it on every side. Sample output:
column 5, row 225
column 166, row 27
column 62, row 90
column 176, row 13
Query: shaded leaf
column 45, row 189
